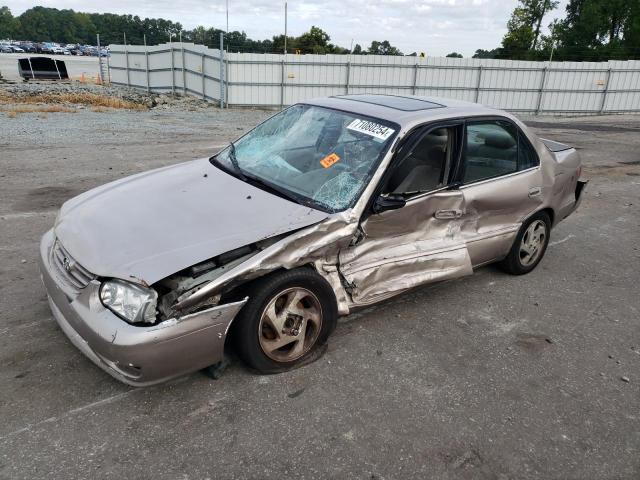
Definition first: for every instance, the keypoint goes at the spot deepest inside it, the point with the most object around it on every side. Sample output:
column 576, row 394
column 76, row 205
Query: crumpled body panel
column 408, row 266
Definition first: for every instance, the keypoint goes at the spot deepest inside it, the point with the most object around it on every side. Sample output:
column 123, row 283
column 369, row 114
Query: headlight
column 133, row 303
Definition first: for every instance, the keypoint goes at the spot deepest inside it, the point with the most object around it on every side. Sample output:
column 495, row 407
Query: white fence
column 271, row 80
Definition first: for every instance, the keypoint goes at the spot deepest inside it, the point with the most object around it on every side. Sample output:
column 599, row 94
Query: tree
column 538, row 9
column 357, row 49
column 523, row 27
column 520, row 35
column 8, row 24
column 454, row 55
column 495, row 53
column 315, row 40
column 599, row 29
column 383, row 48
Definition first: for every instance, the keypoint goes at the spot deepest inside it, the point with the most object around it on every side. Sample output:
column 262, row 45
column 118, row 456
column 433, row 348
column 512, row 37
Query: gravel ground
column 491, row 376
column 21, row 91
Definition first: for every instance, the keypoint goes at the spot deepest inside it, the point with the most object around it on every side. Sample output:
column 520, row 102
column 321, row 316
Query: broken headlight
column 133, row 303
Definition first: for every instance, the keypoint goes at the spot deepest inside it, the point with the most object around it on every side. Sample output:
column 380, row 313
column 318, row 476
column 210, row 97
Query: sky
column 436, row 27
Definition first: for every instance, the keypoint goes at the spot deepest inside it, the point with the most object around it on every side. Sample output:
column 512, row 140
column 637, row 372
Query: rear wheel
column 529, row 246
column 288, row 316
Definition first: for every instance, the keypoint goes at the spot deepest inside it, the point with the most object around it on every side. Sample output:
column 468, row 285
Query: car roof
column 405, row 110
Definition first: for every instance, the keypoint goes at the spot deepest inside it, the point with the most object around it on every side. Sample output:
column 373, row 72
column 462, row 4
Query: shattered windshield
column 312, row 154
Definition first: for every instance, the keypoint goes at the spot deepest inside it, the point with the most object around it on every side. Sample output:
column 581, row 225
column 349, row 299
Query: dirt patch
column 613, row 170
column 533, row 343
column 45, row 198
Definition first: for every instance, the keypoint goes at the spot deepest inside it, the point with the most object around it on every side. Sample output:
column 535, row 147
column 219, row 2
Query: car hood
column 151, row 225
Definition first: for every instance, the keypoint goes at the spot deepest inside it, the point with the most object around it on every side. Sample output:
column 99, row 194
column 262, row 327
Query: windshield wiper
column 265, row 185
column 234, row 161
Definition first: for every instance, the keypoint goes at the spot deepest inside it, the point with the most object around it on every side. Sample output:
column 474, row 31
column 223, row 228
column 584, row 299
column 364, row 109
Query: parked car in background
column 330, row 205
column 28, row 47
column 75, row 50
column 46, row 47
column 8, row 47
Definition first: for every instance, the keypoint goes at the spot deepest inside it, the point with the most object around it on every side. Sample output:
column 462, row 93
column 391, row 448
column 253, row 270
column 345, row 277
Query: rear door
column 420, row 242
column 502, row 185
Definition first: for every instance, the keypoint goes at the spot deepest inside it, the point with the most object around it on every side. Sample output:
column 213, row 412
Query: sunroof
column 407, row 104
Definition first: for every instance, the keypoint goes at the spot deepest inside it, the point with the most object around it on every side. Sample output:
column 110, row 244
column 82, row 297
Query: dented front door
column 417, row 244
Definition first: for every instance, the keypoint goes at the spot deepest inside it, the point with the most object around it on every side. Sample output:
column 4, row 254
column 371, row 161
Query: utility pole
column 227, row 17
column 285, row 28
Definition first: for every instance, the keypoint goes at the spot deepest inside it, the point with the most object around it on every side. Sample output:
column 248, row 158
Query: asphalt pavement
column 491, row 376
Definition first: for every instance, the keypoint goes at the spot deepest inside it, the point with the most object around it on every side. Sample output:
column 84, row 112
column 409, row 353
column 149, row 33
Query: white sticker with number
column 371, row 128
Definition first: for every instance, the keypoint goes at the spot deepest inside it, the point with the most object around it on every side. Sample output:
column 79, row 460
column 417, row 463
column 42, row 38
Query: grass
column 84, row 98
column 13, row 111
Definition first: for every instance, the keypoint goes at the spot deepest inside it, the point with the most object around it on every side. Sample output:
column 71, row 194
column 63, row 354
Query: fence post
column 348, row 78
column 99, row 60
column 478, row 83
column 541, row 89
column 173, row 75
column 606, row 89
column 226, row 79
column 204, row 97
column 146, row 61
column 184, row 80
column 126, row 58
column 415, row 78
column 282, row 86
column 108, row 70
column 221, row 59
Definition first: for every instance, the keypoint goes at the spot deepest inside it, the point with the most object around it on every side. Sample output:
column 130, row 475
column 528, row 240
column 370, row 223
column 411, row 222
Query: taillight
column 579, row 171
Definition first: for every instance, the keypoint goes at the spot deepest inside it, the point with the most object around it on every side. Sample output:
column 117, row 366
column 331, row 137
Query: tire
column 287, row 317
column 529, row 246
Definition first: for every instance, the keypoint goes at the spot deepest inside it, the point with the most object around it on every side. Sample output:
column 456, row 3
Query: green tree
column 454, row 55
column 517, row 42
column 383, row 48
column 524, row 27
column 9, row 25
column 315, row 40
column 495, row 53
column 599, row 29
column 538, row 9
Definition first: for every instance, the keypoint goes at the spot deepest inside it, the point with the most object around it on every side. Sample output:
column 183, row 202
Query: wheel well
column 243, row 289
column 549, row 211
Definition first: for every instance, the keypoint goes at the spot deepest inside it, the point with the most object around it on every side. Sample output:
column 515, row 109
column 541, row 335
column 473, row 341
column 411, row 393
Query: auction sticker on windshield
column 329, row 160
column 371, row 128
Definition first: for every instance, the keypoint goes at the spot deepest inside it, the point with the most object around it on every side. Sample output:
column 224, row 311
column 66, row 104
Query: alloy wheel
column 290, row 324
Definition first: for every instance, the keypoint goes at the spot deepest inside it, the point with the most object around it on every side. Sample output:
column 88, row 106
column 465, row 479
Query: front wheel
column 288, row 315
column 529, row 246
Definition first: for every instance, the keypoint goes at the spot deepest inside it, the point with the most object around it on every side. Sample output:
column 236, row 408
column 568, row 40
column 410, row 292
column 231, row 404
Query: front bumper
column 138, row 356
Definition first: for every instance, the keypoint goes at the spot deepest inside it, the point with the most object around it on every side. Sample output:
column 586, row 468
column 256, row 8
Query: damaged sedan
column 327, row 206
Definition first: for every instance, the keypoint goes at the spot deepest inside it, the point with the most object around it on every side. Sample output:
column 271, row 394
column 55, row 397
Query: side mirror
column 388, row 202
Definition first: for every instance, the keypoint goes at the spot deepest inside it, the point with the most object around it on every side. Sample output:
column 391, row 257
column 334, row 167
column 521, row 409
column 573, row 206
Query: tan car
column 327, row 206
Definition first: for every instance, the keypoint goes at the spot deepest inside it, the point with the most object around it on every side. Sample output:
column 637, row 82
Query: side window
column 424, row 167
column 491, row 150
column 527, row 157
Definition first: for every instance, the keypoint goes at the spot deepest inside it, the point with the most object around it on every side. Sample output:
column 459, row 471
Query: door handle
column 535, row 191
column 447, row 214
